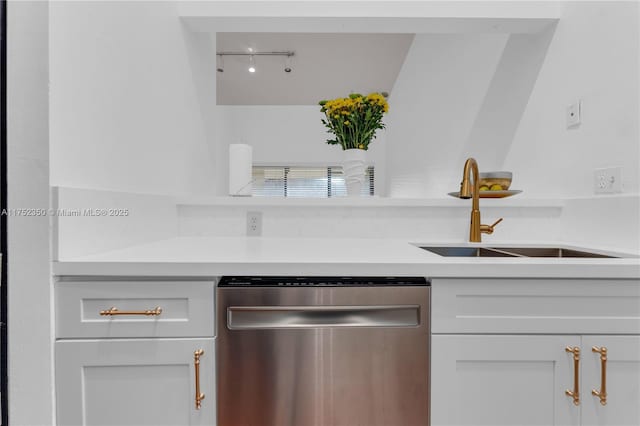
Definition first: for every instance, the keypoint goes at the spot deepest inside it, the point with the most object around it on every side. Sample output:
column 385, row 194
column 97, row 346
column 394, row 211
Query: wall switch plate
column 607, row 181
column 574, row 114
column 254, row 224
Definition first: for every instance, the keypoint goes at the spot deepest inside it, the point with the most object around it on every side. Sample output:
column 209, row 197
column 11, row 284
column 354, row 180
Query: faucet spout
column 468, row 191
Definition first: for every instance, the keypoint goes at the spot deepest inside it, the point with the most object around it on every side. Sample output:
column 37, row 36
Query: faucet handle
column 488, row 229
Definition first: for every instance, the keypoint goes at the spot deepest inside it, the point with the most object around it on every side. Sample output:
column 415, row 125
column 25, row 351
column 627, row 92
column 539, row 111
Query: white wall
column 517, row 122
column 283, row 135
column 593, row 56
column 29, row 279
column 125, row 113
column 132, row 101
column 91, row 221
column 203, row 66
column 460, row 96
column 434, row 103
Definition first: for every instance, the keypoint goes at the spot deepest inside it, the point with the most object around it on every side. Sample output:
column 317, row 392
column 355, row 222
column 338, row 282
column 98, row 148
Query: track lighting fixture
column 252, row 62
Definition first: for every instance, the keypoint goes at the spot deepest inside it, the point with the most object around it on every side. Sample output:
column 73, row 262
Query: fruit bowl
column 495, row 181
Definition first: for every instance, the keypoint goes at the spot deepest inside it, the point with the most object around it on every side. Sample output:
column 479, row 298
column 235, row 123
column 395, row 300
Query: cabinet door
column 133, row 382
column 622, row 381
column 502, row 380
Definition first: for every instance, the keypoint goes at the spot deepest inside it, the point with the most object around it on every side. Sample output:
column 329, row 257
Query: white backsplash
column 415, row 223
column 608, row 222
column 604, row 221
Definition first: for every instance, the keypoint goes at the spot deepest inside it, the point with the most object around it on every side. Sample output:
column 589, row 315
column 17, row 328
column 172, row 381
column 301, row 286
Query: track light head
column 219, row 63
column 287, row 64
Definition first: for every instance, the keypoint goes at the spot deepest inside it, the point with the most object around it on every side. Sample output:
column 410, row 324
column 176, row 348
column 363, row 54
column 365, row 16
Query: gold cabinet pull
column 112, row 311
column 575, row 393
column 196, row 362
column 602, row 393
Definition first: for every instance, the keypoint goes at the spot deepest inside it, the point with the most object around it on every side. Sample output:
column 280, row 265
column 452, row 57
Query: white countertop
column 215, row 256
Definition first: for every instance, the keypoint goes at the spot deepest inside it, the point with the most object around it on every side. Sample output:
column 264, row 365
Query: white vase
column 353, row 168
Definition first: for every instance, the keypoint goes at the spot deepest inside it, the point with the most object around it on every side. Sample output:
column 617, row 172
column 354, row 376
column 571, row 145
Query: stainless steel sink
column 468, row 252
column 557, row 252
column 552, row 252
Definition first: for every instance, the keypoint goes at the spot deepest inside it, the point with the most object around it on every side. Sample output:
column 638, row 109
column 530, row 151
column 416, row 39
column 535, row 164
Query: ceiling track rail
column 283, row 53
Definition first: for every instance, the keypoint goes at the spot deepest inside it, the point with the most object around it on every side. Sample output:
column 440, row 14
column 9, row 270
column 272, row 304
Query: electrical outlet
column 607, row 181
column 254, row 224
column 574, row 114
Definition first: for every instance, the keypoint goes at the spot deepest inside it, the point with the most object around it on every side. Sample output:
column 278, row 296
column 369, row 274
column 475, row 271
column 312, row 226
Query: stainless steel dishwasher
column 323, row 351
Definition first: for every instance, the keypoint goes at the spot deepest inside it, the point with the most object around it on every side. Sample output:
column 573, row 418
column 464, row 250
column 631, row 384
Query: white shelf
column 377, row 202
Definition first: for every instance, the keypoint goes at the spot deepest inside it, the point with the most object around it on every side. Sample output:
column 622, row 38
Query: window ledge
column 378, row 202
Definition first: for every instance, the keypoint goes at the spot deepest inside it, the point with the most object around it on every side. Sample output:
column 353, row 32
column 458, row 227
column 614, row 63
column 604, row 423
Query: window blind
column 309, row 182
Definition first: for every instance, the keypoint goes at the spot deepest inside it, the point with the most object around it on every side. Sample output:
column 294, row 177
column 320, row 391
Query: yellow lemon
column 484, row 188
column 496, row 187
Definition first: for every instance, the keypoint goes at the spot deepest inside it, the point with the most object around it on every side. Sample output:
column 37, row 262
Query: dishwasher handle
column 282, row 317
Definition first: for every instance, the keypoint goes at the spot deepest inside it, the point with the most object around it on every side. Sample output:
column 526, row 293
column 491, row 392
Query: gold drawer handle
column 602, row 393
column 575, row 393
column 196, row 361
column 112, row 311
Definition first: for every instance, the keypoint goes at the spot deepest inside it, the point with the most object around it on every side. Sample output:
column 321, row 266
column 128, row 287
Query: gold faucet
column 477, row 229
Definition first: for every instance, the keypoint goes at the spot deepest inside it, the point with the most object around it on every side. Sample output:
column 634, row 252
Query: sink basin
column 557, row 252
column 552, row 252
column 468, row 252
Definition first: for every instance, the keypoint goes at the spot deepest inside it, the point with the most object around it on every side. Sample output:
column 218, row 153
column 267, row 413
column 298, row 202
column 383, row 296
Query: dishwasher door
column 323, row 356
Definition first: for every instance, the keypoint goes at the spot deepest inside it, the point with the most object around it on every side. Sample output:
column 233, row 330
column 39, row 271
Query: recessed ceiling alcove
column 325, row 65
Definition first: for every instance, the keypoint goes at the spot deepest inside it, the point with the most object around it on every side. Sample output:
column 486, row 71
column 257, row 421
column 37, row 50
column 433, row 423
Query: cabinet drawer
column 553, row 306
column 85, row 309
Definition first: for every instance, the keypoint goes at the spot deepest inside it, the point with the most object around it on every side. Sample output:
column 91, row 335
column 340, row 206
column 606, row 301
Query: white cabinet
column 622, row 381
column 499, row 352
column 502, row 380
column 135, row 353
column 509, row 380
column 134, row 382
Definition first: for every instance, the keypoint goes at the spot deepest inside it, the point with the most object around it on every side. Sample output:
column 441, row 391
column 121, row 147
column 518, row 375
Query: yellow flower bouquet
column 354, row 120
